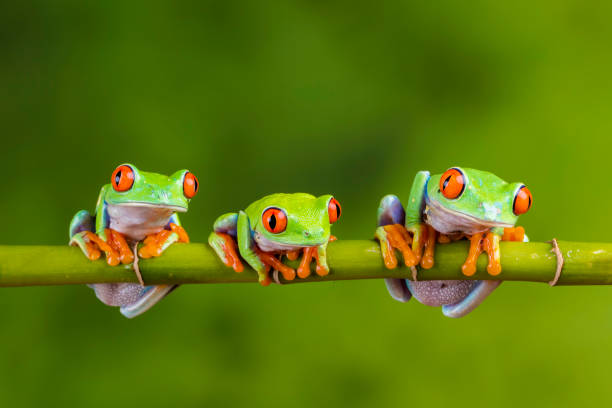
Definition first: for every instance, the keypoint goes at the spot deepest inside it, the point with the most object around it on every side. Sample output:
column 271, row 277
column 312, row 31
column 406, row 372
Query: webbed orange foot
column 491, row 247
column 514, row 234
column 180, row 231
column 112, row 248
column 427, row 261
column 230, row 249
column 120, row 245
column 304, row 268
column 154, row 244
column 393, row 237
column 322, row 269
column 270, row 261
column 469, row 266
column 479, row 243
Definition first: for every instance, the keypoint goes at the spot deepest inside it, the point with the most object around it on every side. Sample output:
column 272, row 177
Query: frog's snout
column 491, row 212
column 313, row 233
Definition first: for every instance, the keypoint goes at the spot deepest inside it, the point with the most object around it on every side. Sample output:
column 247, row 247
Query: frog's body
column 136, row 206
column 278, row 224
column 457, row 204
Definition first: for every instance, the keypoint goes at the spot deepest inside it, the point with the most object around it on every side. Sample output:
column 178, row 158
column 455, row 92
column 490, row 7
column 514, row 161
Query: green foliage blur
column 346, row 98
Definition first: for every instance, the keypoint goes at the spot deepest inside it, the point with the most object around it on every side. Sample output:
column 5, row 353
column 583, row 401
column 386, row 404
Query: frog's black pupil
column 337, row 210
column 446, row 182
column 272, row 221
column 195, row 184
column 118, row 177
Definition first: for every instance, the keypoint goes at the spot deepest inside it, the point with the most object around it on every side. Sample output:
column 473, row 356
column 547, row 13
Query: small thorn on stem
column 555, row 249
column 276, row 278
column 135, row 264
column 414, row 273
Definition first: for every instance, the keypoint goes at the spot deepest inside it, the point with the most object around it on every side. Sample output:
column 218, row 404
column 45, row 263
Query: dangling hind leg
column 82, row 223
column 133, row 298
column 479, row 292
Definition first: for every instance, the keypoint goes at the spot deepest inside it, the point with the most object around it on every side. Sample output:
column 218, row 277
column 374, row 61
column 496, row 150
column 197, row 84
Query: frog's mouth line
column 268, row 245
column 174, row 208
column 476, row 223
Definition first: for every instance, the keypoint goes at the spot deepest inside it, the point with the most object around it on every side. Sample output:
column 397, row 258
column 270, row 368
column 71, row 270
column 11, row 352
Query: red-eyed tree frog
column 135, row 207
column 277, row 225
column 460, row 203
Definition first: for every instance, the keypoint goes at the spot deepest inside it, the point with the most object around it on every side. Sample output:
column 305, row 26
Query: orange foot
column 155, row 244
column 483, row 242
column 514, row 234
column 115, row 247
column 271, row 261
column 427, row 261
column 308, row 254
column 232, row 259
column 397, row 237
column 416, row 249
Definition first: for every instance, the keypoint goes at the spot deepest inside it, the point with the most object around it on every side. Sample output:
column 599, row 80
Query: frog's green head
column 478, row 196
column 294, row 219
column 130, row 186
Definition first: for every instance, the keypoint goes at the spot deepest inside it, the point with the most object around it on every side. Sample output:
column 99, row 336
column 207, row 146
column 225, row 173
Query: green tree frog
column 135, row 207
column 277, row 225
column 460, row 203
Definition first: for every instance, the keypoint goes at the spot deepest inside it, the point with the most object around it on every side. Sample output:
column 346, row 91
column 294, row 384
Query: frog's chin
column 143, row 204
column 267, row 245
column 447, row 221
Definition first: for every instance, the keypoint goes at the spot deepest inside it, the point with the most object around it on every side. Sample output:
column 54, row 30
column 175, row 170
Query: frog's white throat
column 447, row 221
column 138, row 220
column 173, row 208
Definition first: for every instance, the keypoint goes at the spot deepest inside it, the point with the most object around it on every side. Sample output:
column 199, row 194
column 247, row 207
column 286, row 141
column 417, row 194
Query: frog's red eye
column 334, row 210
column 122, row 178
column 522, row 201
column 452, row 183
column 274, row 220
column 190, row 185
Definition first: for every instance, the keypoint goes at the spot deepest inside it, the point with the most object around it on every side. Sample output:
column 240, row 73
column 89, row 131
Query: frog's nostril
column 306, row 233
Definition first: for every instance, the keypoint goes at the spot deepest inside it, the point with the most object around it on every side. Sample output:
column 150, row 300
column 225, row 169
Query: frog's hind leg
column 479, row 292
column 147, row 298
column 83, row 223
column 223, row 241
column 132, row 298
column 391, row 212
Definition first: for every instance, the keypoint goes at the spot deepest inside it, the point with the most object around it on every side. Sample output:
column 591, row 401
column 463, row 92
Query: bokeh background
column 340, row 97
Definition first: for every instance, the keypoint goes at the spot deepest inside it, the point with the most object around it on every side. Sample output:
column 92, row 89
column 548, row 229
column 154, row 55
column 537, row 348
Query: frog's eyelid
column 270, row 207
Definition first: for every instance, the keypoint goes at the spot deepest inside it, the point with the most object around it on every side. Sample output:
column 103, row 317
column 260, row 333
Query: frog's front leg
column 111, row 242
column 321, row 258
column 319, row 254
column 483, row 242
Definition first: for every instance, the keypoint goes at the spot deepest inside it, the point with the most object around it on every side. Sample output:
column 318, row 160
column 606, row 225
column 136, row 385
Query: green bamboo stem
column 585, row 264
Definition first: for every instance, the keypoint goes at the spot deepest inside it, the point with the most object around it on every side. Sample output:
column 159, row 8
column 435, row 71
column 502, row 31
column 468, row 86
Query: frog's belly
column 446, row 221
column 136, row 222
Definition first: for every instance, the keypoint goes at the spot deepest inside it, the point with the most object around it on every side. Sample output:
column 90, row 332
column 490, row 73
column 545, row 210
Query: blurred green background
column 325, row 97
